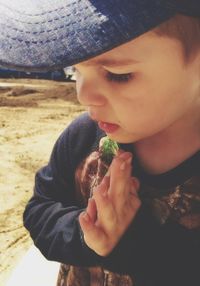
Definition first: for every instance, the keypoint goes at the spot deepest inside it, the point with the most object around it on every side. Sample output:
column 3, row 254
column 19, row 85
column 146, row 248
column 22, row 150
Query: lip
column 108, row 127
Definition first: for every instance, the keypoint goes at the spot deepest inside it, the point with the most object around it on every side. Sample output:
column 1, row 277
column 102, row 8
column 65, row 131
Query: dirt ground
column 32, row 115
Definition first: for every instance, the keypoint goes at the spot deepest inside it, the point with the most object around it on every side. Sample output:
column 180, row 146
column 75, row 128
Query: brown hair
column 185, row 29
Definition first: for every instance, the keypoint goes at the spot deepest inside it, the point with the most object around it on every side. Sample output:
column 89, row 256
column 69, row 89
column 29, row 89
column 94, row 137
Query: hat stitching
column 45, row 22
column 49, row 21
column 41, row 22
column 38, row 14
column 43, row 31
column 43, row 13
column 35, row 33
column 35, row 42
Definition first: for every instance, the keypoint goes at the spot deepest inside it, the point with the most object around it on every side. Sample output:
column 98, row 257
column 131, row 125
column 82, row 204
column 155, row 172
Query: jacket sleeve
column 51, row 215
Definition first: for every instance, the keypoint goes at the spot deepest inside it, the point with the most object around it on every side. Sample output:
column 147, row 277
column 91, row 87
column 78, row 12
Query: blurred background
column 66, row 74
column 34, row 109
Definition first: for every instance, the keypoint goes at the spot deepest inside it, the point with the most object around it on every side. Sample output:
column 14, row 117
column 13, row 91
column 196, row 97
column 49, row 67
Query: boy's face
column 142, row 87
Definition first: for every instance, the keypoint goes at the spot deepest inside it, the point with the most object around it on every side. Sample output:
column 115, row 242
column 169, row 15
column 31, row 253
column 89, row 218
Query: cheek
column 150, row 110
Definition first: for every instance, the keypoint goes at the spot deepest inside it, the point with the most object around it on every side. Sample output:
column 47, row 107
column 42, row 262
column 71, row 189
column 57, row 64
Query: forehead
column 126, row 54
column 146, row 48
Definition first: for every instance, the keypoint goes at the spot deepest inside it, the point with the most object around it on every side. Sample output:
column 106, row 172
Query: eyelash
column 114, row 77
column 120, row 78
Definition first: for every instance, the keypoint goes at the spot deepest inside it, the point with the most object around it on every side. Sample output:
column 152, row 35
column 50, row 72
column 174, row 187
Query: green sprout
column 109, row 149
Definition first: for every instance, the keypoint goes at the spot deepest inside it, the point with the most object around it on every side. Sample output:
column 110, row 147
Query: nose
column 89, row 93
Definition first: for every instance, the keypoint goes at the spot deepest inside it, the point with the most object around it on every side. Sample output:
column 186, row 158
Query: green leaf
column 108, row 149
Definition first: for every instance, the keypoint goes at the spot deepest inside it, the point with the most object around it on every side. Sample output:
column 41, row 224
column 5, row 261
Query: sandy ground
column 32, row 115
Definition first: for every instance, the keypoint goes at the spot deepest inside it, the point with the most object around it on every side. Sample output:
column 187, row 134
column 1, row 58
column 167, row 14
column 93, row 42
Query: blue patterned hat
column 47, row 34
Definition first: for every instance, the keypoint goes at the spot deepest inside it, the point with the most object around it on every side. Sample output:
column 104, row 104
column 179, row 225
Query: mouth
column 108, row 127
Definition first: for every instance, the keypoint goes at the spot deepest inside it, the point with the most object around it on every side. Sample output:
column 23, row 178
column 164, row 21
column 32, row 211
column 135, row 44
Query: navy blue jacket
column 155, row 255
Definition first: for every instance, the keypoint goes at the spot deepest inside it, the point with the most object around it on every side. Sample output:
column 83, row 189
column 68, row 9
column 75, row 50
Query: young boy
column 138, row 74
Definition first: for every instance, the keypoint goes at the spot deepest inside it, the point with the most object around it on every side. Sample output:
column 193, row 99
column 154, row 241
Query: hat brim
column 41, row 35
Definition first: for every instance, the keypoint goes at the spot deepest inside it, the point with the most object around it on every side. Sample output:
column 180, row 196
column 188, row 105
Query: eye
column 120, row 78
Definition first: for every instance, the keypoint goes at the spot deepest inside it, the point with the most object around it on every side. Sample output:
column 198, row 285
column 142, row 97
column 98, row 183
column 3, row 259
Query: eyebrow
column 110, row 62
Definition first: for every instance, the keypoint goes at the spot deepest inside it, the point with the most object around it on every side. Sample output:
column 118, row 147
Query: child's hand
column 113, row 206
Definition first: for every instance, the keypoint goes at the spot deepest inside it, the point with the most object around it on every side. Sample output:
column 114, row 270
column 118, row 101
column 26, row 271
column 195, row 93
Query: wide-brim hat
column 49, row 35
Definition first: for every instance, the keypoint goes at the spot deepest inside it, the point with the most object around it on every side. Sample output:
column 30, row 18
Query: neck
column 167, row 149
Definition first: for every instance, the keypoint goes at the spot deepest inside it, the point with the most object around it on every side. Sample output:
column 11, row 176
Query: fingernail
column 126, row 163
column 127, row 156
column 129, row 160
column 119, row 152
column 124, row 155
column 123, row 166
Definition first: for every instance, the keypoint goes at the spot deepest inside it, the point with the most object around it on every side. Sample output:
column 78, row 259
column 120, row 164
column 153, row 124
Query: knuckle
column 138, row 203
column 125, row 155
column 135, row 183
column 135, row 203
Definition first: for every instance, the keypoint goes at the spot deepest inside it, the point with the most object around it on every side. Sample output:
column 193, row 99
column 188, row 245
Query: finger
column 92, row 209
column 134, row 204
column 135, row 185
column 119, row 152
column 105, row 212
column 85, row 221
column 104, row 185
column 120, row 172
column 94, row 236
column 134, row 201
column 131, row 191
